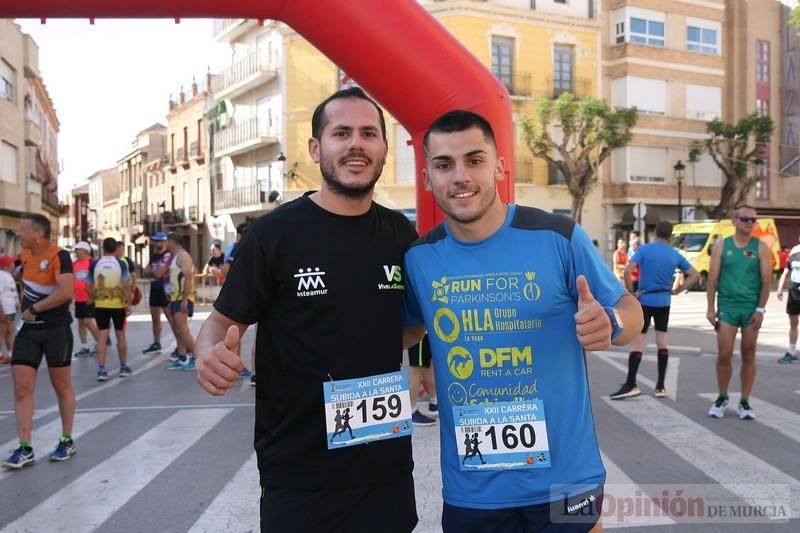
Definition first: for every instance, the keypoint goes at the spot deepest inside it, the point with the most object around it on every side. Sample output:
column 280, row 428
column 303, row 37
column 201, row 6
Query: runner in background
column 157, row 270
column 620, row 259
column 9, row 305
column 791, row 278
column 84, row 305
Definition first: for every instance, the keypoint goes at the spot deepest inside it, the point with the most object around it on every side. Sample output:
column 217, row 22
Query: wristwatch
column 616, row 321
column 761, row 310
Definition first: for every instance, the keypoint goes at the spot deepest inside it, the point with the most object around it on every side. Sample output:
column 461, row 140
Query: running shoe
column 421, row 420
column 177, row 364
column 83, row 352
column 102, row 374
column 626, row 391
column 64, row 450
column 188, row 365
column 124, row 370
column 174, row 356
column 253, row 380
column 717, row 409
column 433, row 409
column 153, row 349
column 660, row 392
column 22, row 456
column 745, row 412
column 788, row 358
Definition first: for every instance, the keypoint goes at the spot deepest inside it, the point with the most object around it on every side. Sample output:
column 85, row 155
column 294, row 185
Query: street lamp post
column 679, row 168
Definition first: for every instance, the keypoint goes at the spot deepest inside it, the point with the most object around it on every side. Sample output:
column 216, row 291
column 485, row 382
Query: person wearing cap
column 160, row 259
column 84, row 305
column 9, row 301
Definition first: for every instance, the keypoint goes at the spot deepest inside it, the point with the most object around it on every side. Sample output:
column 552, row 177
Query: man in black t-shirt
column 322, row 277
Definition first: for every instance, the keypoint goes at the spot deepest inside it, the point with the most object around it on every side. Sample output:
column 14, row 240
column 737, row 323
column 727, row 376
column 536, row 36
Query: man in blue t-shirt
column 657, row 262
column 504, row 292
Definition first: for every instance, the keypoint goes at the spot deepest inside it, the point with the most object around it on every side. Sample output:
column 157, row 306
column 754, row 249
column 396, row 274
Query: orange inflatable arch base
column 395, row 50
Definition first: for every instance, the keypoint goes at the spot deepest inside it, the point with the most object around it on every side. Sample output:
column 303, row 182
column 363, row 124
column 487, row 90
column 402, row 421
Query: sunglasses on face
column 743, row 218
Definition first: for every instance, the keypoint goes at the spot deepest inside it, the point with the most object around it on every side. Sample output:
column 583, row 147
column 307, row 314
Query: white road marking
column 44, row 438
column 615, row 476
column 781, row 420
column 670, row 380
column 236, row 508
column 737, row 470
column 90, row 500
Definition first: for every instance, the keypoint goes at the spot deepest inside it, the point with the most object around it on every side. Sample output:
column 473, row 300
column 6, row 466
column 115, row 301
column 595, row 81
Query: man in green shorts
column 741, row 273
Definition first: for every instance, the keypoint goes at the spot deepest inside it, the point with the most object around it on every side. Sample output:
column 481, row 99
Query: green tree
column 734, row 148
column 589, row 130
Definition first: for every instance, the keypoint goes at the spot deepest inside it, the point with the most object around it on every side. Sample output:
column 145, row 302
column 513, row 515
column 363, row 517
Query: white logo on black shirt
column 310, row 282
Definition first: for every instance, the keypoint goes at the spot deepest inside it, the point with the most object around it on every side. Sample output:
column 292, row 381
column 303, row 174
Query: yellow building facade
column 537, row 53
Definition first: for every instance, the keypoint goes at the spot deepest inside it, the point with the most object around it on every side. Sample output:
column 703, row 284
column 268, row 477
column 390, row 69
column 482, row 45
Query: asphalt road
column 155, row 453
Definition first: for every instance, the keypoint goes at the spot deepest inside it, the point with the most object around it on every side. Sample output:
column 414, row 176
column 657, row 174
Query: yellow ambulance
column 694, row 241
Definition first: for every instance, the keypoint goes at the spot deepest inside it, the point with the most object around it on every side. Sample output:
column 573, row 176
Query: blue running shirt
column 500, row 317
column 658, row 261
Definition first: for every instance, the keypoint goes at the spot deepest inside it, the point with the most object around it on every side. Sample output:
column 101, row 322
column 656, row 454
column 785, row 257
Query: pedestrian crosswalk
column 101, row 490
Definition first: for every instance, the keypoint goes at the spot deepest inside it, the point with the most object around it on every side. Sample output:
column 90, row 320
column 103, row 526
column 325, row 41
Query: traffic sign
column 639, row 210
column 639, row 225
column 688, row 214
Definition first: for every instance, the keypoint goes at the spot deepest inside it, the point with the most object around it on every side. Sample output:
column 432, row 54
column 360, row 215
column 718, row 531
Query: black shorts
column 175, row 308
column 84, row 310
column 420, row 354
column 32, row 343
column 158, row 298
column 388, row 508
column 660, row 316
column 793, row 303
column 104, row 317
column 577, row 514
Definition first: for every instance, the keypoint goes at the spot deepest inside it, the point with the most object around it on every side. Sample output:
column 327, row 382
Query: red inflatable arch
column 395, row 50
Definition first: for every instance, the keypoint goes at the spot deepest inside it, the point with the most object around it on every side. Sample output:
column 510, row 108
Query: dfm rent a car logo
column 310, row 282
column 460, row 362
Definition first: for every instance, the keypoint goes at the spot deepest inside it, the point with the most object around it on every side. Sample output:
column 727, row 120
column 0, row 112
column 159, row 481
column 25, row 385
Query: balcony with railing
column 580, row 87
column 182, row 158
column 173, row 218
column 196, row 152
column 227, row 30
column 248, row 196
column 518, row 84
column 244, row 74
column 243, row 136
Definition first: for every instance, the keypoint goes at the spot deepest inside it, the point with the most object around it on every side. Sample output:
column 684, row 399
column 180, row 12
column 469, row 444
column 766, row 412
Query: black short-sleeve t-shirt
column 323, row 289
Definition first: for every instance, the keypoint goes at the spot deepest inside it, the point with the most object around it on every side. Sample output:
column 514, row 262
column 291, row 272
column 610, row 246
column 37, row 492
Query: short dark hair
column 664, row 229
column 319, row 120
column 110, row 245
column 38, row 221
column 242, row 228
column 742, row 206
column 174, row 237
column 120, row 244
column 459, row 120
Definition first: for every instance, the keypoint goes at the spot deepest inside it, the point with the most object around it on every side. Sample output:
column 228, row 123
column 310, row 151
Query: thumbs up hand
column 592, row 324
column 218, row 368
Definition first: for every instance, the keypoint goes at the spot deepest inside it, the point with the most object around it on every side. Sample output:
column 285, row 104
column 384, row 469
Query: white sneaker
column 745, row 412
column 717, row 409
